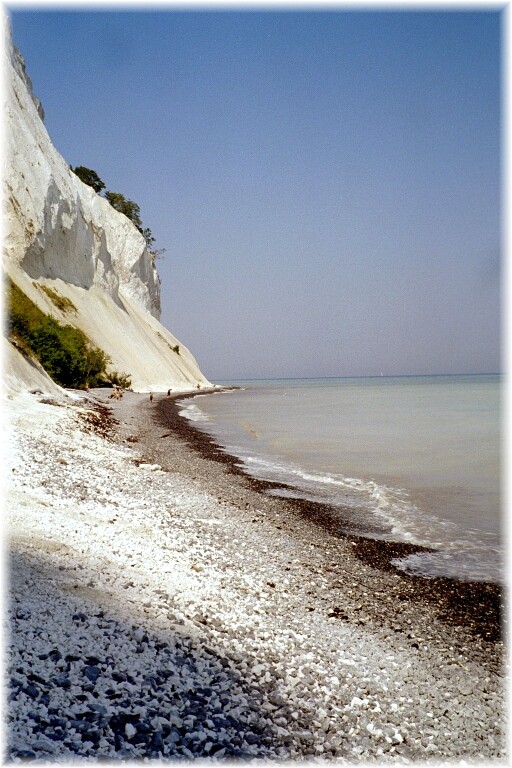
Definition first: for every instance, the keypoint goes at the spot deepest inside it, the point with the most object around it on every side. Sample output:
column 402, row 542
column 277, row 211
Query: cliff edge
column 60, row 234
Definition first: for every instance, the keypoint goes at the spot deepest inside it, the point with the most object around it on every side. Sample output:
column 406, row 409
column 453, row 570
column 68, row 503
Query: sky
column 326, row 183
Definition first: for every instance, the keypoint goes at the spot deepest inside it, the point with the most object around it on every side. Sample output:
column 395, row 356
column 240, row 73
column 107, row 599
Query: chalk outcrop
column 59, row 233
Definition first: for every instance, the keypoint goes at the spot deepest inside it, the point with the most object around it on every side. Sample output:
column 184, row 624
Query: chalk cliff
column 60, row 234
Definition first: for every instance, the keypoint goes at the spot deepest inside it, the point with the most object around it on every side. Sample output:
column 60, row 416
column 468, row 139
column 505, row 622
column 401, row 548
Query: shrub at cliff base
column 65, row 352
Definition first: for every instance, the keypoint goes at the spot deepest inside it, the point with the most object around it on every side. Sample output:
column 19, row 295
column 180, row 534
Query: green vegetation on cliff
column 61, row 302
column 65, row 352
column 121, row 204
column 89, row 177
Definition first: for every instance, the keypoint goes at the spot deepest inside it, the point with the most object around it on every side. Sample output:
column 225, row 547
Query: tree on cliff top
column 121, row 204
column 89, row 177
column 130, row 209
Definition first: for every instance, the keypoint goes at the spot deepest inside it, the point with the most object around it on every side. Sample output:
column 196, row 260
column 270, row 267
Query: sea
column 412, row 459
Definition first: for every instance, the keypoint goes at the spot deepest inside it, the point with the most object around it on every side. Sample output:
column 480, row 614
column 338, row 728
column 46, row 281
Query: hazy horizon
column 362, row 376
column 326, row 184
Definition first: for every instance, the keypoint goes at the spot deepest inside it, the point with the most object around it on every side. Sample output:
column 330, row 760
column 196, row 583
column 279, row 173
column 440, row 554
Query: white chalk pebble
column 184, row 661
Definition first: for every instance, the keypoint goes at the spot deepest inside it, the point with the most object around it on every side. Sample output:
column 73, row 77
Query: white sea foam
column 193, row 413
column 469, row 554
column 464, row 562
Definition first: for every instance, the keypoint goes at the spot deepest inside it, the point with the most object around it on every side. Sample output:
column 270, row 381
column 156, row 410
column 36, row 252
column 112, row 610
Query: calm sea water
column 407, row 459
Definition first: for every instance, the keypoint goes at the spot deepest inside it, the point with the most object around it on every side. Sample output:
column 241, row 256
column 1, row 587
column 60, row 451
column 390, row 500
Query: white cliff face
column 59, row 233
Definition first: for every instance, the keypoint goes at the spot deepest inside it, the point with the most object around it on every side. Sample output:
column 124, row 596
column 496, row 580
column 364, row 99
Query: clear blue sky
column 326, row 184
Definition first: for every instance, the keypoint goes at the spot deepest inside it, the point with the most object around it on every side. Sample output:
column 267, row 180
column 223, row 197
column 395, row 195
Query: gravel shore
column 161, row 604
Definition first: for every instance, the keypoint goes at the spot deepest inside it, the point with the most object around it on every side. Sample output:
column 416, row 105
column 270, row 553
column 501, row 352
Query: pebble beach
column 163, row 605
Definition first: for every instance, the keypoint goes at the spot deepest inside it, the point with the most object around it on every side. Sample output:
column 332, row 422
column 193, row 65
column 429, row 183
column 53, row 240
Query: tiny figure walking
column 168, row 393
column 150, row 397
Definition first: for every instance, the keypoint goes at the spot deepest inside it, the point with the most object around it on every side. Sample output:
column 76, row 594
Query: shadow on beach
column 83, row 677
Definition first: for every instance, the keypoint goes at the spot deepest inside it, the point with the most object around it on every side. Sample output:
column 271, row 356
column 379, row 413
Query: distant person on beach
column 150, row 397
column 168, row 393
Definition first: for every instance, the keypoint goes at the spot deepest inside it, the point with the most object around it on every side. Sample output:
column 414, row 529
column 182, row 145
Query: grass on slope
column 65, row 352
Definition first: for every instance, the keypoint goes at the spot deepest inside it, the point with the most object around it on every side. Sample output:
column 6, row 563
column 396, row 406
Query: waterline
column 411, row 459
